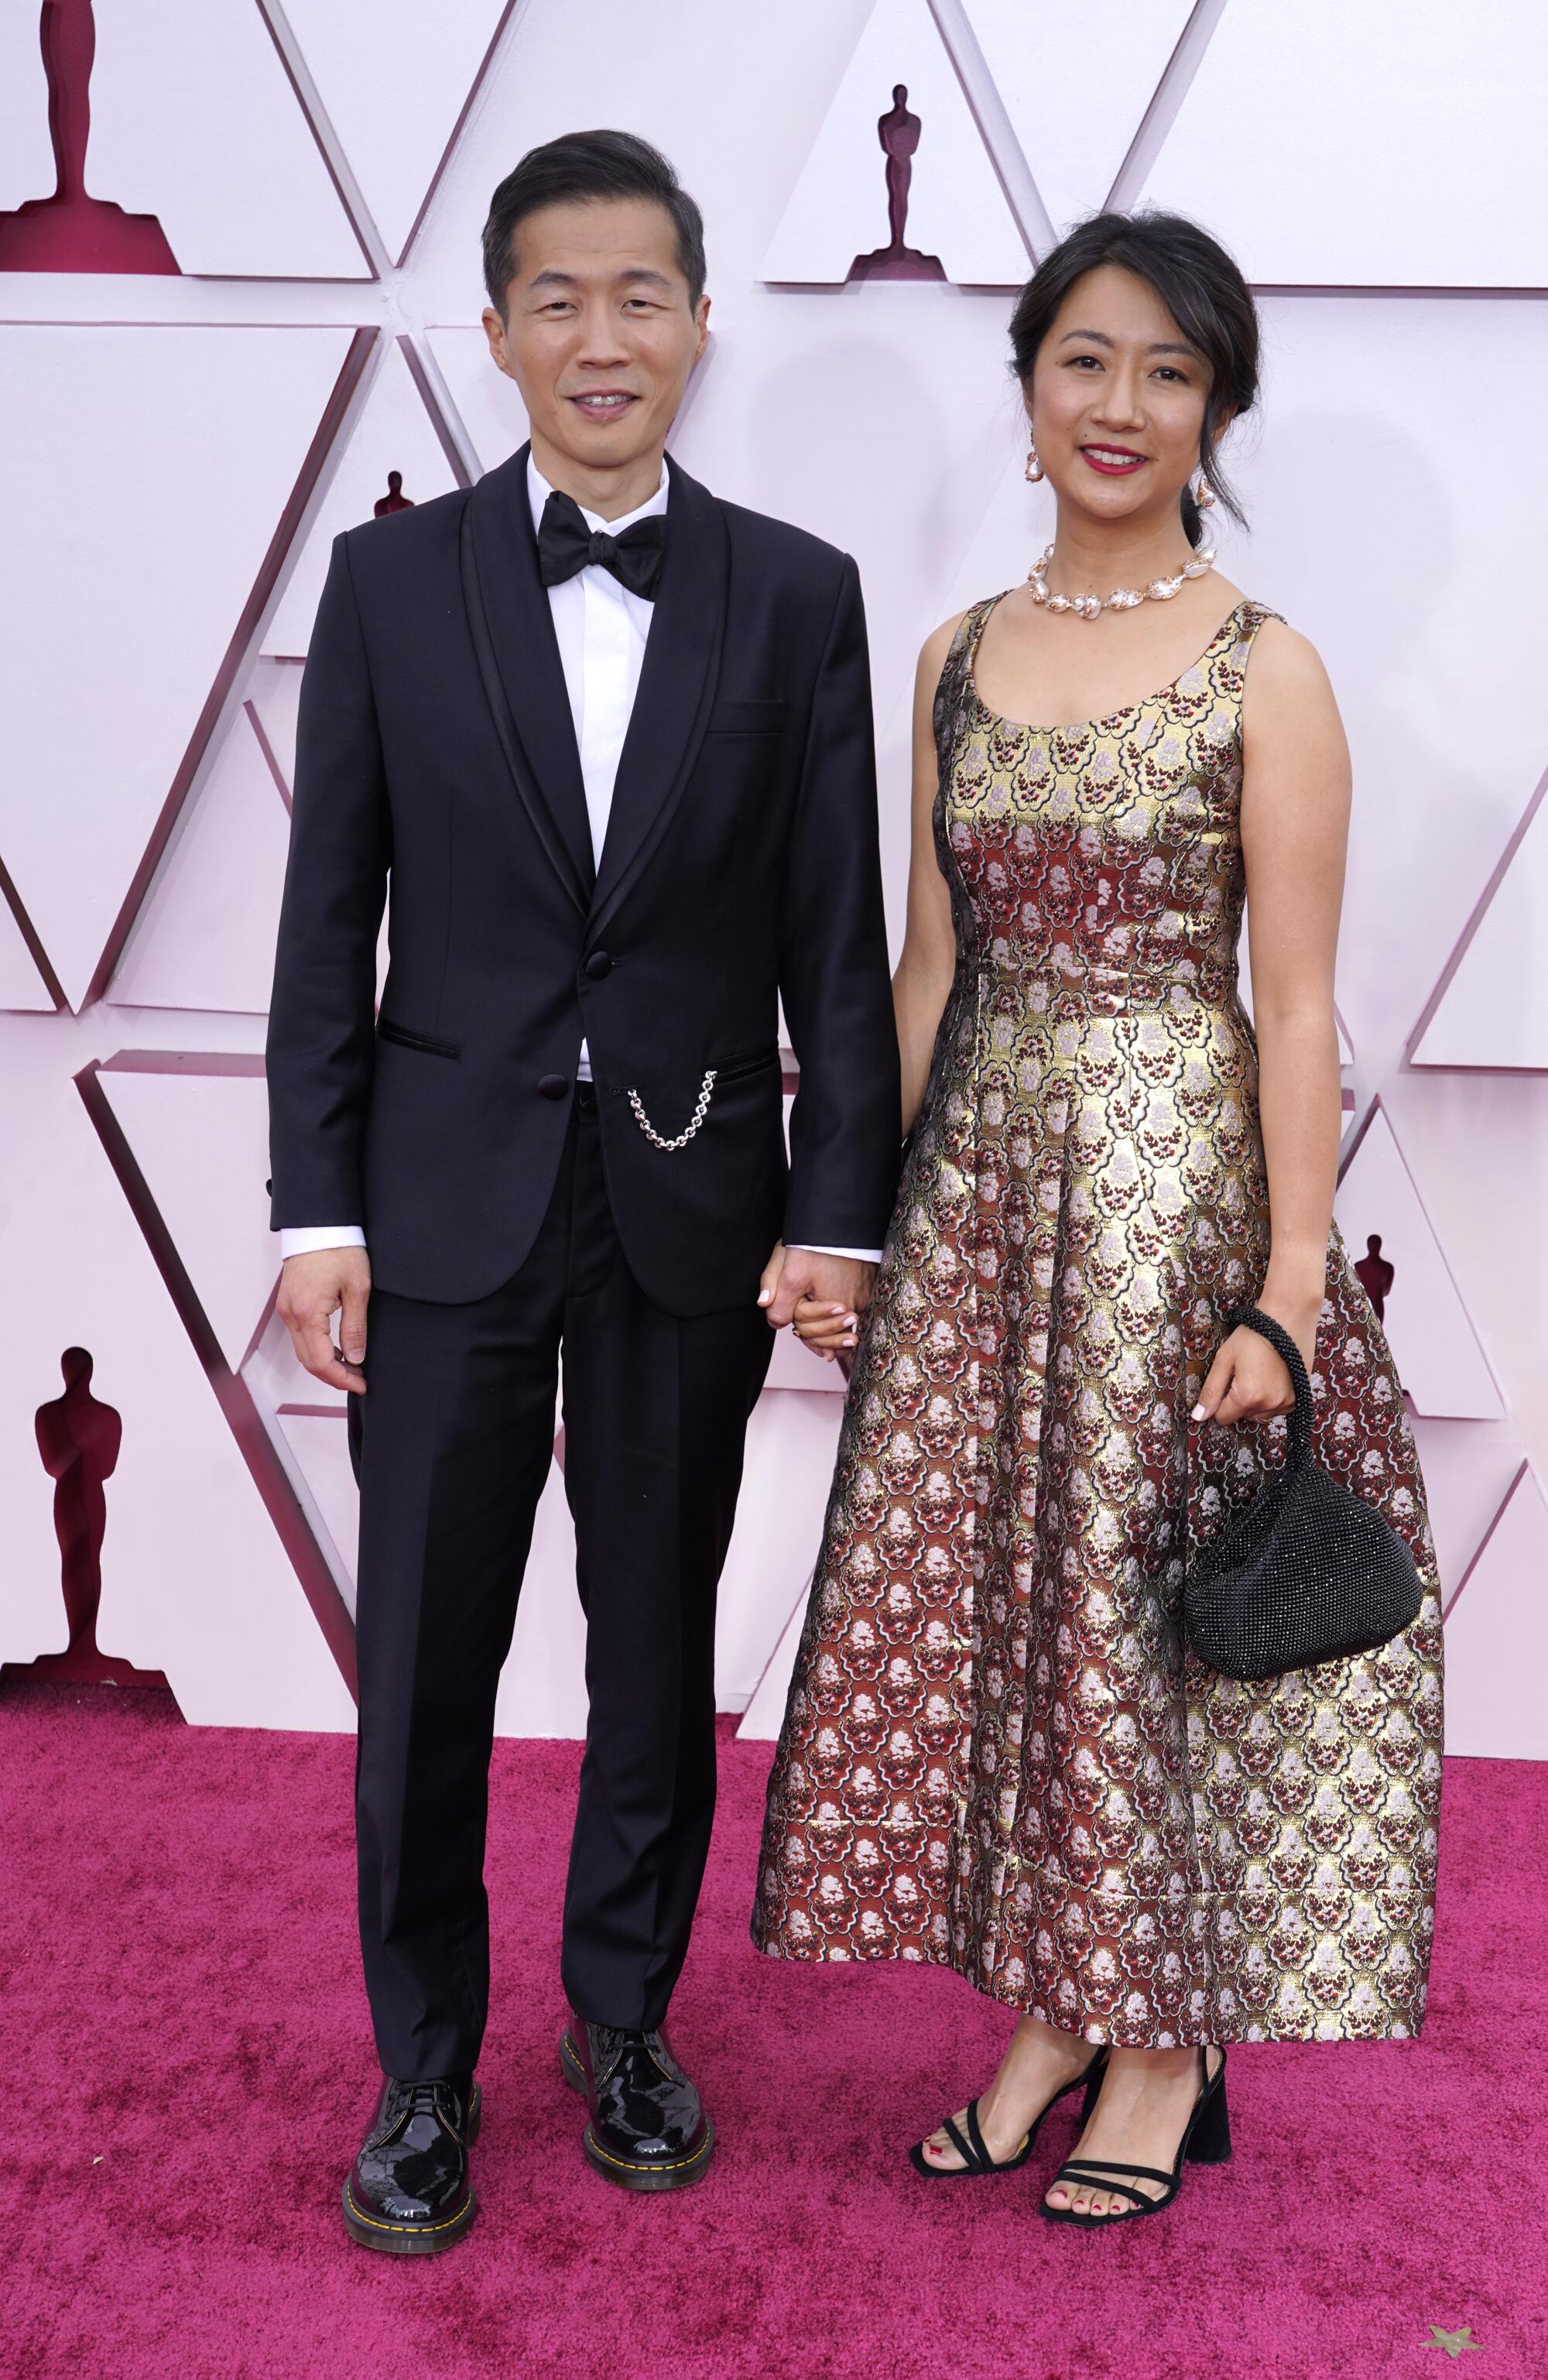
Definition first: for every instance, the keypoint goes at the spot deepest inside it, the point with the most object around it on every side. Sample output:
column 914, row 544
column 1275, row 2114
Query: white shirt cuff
column 861, row 1256
column 304, row 1239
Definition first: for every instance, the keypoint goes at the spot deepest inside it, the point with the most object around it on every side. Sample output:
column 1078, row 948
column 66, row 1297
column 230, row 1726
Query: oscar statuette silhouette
column 78, row 1439
column 898, row 133
column 394, row 500
column 72, row 231
column 1375, row 1275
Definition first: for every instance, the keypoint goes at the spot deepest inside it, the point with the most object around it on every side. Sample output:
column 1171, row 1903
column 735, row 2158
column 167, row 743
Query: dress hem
column 1100, row 2031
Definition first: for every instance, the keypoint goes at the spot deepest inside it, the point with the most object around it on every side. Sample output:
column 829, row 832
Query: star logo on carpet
column 1454, row 2342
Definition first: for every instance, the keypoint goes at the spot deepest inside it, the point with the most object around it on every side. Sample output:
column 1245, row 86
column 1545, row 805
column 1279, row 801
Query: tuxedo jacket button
column 597, row 966
column 553, row 1087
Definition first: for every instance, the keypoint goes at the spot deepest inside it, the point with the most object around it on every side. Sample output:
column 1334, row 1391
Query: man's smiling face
column 600, row 333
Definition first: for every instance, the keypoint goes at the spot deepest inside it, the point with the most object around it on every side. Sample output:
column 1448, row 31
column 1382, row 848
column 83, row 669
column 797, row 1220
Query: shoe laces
column 425, row 2099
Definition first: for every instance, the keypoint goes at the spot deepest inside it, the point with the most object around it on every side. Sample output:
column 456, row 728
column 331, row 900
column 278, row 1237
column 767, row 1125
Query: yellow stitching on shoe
column 377, row 2225
column 647, row 2164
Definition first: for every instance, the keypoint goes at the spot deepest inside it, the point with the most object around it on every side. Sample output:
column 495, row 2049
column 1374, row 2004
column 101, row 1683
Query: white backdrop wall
column 178, row 449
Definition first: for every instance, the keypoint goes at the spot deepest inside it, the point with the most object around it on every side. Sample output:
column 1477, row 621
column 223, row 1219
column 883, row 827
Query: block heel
column 1208, row 2141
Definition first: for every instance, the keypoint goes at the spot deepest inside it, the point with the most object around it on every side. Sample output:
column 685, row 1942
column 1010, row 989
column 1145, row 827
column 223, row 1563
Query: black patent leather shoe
column 407, row 2192
column 648, row 2130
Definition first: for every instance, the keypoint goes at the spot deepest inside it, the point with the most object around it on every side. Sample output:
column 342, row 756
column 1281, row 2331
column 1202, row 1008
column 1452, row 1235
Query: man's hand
column 825, row 1296
column 312, row 1289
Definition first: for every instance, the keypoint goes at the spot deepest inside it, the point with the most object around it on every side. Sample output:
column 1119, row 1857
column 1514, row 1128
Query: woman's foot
column 1040, row 2062
column 1142, row 2113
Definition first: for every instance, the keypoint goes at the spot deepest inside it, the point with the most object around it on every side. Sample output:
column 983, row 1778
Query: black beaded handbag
column 1309, row 1572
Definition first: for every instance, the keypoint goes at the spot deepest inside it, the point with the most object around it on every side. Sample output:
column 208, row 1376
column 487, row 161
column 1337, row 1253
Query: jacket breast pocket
column 430, row 1044
column 746, row 718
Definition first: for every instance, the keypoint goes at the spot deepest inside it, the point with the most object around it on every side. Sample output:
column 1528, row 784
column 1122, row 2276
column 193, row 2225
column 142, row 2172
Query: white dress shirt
column 601, row 628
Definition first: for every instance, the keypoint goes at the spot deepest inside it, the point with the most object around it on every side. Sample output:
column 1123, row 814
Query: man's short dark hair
column 590, row 166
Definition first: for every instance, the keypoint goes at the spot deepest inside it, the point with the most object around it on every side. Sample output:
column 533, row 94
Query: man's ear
column 494, row 330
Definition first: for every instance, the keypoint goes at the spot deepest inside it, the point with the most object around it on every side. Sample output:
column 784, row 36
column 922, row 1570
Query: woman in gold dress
column 998, row 1754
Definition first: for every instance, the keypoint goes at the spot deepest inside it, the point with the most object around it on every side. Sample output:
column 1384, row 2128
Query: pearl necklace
column 1122, row 598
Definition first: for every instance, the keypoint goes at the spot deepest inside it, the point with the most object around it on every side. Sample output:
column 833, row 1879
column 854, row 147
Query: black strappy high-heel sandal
column 976, row 2160
column 1207, row 2141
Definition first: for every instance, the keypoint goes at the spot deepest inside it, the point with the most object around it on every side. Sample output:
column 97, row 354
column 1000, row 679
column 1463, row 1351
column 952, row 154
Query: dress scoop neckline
column 1076, row 726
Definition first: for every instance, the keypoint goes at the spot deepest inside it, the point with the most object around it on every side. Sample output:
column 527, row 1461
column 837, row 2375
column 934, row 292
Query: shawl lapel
column 517, row 654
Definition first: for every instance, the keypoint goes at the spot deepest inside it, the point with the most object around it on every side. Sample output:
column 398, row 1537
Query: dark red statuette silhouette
column 394, row 500
column 71, row 232
column 898, row 133
column 1375, row 1275
column 79, row 1439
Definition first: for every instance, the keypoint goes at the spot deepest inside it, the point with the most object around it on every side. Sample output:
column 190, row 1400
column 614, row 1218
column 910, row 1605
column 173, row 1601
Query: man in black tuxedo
column 603, row 743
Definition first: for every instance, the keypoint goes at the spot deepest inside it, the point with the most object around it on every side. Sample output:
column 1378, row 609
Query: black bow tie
column 566, row 545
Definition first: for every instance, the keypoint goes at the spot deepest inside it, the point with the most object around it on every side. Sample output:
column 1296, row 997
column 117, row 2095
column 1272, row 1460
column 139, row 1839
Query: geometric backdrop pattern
column 182, row 439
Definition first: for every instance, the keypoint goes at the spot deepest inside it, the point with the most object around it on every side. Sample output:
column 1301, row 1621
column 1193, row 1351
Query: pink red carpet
column 186, row 2065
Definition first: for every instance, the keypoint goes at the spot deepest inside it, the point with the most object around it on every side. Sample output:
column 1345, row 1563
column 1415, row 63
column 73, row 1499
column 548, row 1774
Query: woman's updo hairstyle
column 1201, row 288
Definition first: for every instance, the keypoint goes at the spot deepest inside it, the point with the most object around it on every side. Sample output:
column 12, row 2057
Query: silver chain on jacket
column 684, row 1138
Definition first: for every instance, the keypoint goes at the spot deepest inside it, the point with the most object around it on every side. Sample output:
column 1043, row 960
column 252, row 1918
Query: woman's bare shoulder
column 1288, row 696
column 1284, row 661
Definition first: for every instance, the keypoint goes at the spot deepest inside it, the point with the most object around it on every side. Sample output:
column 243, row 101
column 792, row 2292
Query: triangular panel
column 395, row 78
column 790, row 1444
column 1076, row 83
column 205, row 937
column 317, row 1444
column 1468, row 1468
column 1493, row 1009
column 274, row 697
column 489, row 405
column 195, row 120
column 736, row 114
column 393, row 433
column 1281, row 109
column 1496, row 1637
column 195, row 1581
column 21, row 986
column 153, row 459
column 957, row 213
column 198, row 1128
column 765, row 1714
column 1439, row 1360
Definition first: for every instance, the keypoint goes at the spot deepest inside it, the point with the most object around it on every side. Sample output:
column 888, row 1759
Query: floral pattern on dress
column 998, row 1753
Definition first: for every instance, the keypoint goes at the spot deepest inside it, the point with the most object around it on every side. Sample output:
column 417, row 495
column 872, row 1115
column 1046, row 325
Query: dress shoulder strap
column 961, row 650
column 1232, row 649
column 971, row 628
column 1250, row 617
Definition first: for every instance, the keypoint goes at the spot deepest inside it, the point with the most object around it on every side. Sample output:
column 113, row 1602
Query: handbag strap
column 1284, row 1346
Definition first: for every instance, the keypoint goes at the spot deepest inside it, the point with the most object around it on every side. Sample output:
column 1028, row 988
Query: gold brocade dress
column 998, row 1755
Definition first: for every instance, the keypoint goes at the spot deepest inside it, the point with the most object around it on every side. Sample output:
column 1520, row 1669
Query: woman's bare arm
column 1295, row 816
column 928, row 960
column 927, row 963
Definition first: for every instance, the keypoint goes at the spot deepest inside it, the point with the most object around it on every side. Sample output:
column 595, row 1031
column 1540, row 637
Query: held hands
column 823, row 1298
column 312, row 1289
column 1248, row 1378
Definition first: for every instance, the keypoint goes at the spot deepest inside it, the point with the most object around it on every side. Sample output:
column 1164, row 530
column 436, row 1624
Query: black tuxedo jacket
column 437, row 769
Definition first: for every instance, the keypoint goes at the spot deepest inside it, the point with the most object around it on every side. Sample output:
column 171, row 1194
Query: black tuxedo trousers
column 452, row 1442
